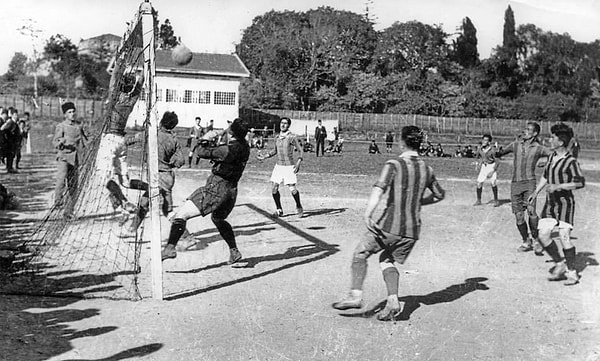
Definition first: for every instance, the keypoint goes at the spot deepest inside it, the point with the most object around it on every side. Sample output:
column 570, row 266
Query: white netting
column 95, row 251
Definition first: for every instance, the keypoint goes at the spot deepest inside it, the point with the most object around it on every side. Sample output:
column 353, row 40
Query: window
column 171, row 96
column 159, row 96
column 225, row 98
column 203, row 97
column 187, row 96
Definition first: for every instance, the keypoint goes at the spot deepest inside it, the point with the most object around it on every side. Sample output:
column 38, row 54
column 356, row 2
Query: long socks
column 177, row 230
column 523, row 231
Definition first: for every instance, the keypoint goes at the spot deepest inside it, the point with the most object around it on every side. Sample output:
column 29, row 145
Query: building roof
column 203, row 64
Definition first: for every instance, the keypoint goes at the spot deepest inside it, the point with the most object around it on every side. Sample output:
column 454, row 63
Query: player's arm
column 542, row 183
column 271, row 153
column 177, row 159
column 385, row 178
column 505, row 151
column 215, row 153
column 437, row 192
column 300, row 158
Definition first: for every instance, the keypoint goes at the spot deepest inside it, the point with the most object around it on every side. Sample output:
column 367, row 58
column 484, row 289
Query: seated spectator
column 373, row 148
column 458, row 152
column 468, row 153
column 339, row 145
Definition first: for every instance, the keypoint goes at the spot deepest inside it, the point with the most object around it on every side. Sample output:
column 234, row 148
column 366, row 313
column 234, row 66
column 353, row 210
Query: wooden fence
column 365, row 122
column 91, row 110
column 49, row 107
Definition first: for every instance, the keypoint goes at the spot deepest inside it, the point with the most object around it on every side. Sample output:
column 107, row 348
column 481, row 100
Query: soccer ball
column 181, row 55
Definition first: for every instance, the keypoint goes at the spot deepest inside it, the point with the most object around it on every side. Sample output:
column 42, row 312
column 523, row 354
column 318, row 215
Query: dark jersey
column 229, row 159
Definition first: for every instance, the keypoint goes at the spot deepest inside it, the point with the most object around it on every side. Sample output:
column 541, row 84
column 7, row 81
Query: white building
column 207, row 87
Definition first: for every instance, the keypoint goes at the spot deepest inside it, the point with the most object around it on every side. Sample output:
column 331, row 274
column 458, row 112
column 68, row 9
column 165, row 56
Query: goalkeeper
column 170, row 156
column 219, row 194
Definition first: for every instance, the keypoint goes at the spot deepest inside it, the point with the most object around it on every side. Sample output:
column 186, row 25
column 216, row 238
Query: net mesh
column 88, row 243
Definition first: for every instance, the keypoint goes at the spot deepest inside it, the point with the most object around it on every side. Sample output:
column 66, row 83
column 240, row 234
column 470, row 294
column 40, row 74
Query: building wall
column 190, row 97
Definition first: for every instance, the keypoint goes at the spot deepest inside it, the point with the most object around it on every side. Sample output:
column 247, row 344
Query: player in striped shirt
column 561, row 176
column 527, row 152
column 488, row 169
column 285, row 169
column 397, row 230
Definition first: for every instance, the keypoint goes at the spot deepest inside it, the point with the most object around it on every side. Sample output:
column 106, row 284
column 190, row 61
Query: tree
column 62, row 54
column 510, row 43
column 294, row 54
column 465, row 46
column 410, row 46
column 166, row 36
column 16, row 67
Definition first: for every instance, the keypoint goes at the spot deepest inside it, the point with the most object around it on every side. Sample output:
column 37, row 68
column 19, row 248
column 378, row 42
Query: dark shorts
column 395, row 248
column 519, row 192
column 217, row 197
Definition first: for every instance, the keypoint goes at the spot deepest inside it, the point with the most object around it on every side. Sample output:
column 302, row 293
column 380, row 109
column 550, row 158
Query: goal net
column 89, row 244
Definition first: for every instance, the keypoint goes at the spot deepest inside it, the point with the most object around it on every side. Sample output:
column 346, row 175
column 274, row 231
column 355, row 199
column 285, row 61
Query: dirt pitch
column 467, row 293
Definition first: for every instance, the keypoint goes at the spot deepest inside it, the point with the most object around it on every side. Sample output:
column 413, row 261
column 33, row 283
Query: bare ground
column 467, row 293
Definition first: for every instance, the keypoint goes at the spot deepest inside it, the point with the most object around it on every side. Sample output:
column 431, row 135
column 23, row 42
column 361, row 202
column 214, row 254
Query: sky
column 217, row 25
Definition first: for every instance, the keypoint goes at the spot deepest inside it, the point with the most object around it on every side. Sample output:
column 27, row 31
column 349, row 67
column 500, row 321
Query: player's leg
column 481, row 177
column 72, row 185
column 186, row 211
column 538, row 249
column 519, row 208
column 277, row 199
column 219, row 217
column 533, row 218
column 493, row 180
column 396, row 253
column 276, row 178
column 547, row 230
column 367, row 246
column 564, row 232
column 61, row 179
column 296, row 195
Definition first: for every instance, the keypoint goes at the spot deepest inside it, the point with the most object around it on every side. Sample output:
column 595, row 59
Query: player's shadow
column 412, row 303
column 584, row 259
column 251, row 262
column 501, row 202
column 195, row 241
column 323, row 211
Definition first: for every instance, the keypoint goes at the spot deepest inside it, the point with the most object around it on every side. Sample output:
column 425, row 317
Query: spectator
column 320, row 136
column 468, row 153
column 458, row 152
column 389, row 141
column 373, row 148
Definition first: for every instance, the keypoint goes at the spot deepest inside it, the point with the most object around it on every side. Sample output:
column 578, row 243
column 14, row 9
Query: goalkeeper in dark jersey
column 218, row 196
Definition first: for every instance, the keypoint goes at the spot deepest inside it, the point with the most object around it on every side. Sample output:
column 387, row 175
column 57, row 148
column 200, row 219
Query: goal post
column 152, row 148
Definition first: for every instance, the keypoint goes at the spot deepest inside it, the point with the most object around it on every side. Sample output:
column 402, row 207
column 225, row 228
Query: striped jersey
column 526, row 155
column 285, row 143
column 405, row 181
column 559, row 170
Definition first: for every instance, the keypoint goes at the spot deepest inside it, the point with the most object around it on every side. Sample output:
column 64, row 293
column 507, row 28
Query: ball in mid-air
column 181, row 55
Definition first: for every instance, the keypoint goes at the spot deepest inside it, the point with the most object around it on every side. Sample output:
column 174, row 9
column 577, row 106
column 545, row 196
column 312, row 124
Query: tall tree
column 62, row 54
column 510, row 43
column 465, row 46
column 166, row 36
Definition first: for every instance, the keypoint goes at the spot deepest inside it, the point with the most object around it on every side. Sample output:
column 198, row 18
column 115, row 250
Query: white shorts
column 487, row 171
column 549, row 225
column 284, row 173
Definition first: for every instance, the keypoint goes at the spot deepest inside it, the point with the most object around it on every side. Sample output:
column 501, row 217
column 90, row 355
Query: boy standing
column 488, row 169
column 561, row 176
